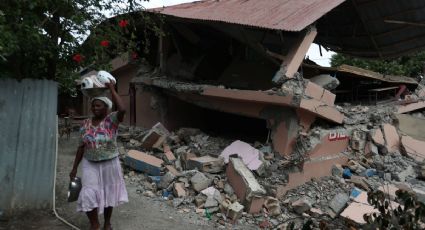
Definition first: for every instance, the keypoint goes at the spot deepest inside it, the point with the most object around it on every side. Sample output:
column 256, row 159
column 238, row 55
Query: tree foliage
column 407, row 65
column 42, row 38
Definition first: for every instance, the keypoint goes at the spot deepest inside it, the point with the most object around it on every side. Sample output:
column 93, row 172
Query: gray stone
column 409, row 171
column 387, row 176
column 228, row 189
column 339, row 202
column 166, row 180
column 211, row 202
column 200, row 181
column 302, row 205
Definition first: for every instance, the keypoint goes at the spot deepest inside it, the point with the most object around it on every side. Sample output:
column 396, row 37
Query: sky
column 313, row 53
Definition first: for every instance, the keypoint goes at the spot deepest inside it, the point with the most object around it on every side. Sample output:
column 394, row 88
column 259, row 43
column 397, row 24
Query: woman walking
column 103, row 186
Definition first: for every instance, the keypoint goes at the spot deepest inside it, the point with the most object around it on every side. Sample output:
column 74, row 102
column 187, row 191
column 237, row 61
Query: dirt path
column 140, row 213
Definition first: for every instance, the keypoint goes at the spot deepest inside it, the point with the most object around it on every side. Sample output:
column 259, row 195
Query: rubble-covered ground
column 191, row 174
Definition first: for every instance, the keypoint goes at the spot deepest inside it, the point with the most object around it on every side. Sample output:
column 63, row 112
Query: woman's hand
column 73, row 173
column 110, row 86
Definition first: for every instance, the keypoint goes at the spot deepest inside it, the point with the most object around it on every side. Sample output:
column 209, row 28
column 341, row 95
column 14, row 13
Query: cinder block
column 143, row 162
column 206, row 164
column 234, row 211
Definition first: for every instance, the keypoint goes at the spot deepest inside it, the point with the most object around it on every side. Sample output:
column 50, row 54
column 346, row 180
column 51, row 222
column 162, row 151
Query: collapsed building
column 237, row 69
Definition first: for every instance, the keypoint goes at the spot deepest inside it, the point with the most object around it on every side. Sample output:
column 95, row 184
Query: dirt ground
column 140, row 213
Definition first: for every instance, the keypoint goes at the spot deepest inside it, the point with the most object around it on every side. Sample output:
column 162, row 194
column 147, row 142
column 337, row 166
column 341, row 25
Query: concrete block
column 179, row 190
column 150, row 139
column 360, row 182
column 413, row 148
column 392, row 140
column 200, row 181
column 249, row 155
column 243, row 180
column 234, row 211
column 355, row 211
column 254, row 204
column 206, row 164
column 143, row 162
column 169, row 156
column 339, row 202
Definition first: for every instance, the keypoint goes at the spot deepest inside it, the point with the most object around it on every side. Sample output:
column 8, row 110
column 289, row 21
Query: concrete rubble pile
column 237, row 182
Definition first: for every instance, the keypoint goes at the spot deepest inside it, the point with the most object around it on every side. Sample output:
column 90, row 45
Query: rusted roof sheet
column 287, row 15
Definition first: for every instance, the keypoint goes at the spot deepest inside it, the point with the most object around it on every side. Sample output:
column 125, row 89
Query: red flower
column 77, row 58
column 123, row 23
column 134, row 56
column 104, row 43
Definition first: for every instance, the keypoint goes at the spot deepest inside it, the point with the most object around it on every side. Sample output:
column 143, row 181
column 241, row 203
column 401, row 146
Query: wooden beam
column 295, row 56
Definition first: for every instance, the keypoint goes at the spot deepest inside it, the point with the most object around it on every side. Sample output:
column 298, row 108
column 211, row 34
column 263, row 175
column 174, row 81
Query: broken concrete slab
column 242, row 180
column 377, row 137
column 206, row 164
column 317, row 92
column 200, row 181
column 355, row 211
column 322, row 109
column 338, row 203
column 390, row 190
column 409, row 125
column 392, row 140
column 143, row 162
column 413, row 148
column 249, row 155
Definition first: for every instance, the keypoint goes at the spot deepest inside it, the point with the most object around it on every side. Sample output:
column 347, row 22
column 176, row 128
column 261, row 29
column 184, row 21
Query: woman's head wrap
column 104, row 99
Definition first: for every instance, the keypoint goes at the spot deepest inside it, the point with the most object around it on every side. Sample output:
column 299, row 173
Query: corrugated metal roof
column 373, row 29
column 28, row 143
column 287, row 15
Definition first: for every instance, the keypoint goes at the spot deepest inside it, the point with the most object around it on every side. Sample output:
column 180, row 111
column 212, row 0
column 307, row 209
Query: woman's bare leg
column 108, row 215
column 94, row 220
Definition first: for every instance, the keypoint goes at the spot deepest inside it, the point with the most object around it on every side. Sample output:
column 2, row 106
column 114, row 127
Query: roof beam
column 295, row 56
